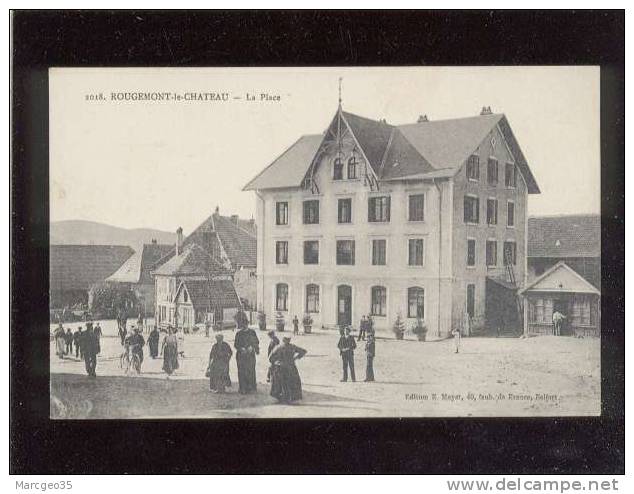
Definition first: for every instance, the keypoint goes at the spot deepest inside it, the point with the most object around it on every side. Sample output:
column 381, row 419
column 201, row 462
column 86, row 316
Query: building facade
column 410, row 220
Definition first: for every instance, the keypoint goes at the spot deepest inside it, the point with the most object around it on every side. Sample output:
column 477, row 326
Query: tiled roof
column 207, row 295
column 372, row 136
column 137, row 269
column 193, row 260
column 77, row 267
column 564, row 236
column 417, row 149
column 289, row 168
column 239, row 244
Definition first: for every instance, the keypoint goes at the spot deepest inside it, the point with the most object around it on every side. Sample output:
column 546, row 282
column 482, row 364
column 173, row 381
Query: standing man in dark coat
column 247, row 347
column 295, row 325
column 363, row 327
column 346, row 347
column 369, row 353
column 272, row 344
column 77, row 337
column 286, row 385
column 89, row 349
column 69, row 342
column 98, row 334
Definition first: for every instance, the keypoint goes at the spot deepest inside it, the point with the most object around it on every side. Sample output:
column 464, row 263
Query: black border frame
column 42, row 39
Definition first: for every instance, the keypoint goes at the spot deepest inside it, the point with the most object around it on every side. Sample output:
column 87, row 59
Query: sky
column 165, row 164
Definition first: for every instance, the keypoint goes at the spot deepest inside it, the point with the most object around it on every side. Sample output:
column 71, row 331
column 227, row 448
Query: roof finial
column 340, row 79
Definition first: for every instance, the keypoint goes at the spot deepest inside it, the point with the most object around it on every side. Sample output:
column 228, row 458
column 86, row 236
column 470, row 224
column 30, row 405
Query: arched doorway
column 344, row 305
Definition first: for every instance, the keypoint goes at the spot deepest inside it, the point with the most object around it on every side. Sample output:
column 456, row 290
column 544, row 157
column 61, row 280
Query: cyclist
column 135, row 343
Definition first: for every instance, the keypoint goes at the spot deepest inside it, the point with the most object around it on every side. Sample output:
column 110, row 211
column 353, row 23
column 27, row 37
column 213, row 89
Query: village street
column 523, row 377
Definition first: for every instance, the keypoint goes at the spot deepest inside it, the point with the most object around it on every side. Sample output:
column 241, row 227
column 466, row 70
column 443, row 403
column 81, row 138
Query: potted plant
column 399, row 327
column 419, row 329
column 279, row 321
column 307, row 321
column 261, row 320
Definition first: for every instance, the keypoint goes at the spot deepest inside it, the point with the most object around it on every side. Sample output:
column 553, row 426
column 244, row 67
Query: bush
column 110, row 298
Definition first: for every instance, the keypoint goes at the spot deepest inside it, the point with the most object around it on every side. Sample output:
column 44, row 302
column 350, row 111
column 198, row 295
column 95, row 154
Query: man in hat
column 98, row 334
column 295, row 325
column 272, row 344
column 363, row 327
column 68, row 337
column 77, row 336
column 346, row 347
column 136, row 342
column 89, row 349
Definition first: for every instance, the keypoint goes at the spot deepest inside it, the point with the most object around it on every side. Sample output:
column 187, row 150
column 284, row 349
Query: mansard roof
column 422, row 150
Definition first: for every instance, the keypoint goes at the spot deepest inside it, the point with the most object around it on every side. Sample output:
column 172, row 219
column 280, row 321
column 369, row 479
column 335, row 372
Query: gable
column 561, row 278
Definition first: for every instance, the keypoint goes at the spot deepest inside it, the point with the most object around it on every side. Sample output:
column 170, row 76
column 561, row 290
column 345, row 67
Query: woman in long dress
column 170, row 352
column 219, row 365
column 153, row 342
column 286, row 385
column 60, row 341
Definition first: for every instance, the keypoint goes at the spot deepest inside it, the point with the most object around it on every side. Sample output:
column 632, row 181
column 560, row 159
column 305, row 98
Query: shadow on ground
column 76, row 396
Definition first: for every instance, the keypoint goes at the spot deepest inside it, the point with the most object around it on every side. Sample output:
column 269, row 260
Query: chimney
column 234, row 219
column 217, row 211
column 153, row 241
column 422, row 118
column 486, row 110
column 179, row 240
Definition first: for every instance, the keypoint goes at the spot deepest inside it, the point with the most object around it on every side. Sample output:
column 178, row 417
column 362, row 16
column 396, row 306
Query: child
column 456, row 339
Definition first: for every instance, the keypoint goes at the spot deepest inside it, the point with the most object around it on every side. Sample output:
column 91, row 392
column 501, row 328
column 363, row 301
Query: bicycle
column 130, row 360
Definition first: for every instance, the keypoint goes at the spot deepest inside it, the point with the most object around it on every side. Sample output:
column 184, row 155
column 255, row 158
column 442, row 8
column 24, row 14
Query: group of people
column 347, row 345
column 286, row 384
column 87, row 344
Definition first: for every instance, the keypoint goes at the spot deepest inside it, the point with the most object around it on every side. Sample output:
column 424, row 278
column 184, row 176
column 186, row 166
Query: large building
column 380, row 219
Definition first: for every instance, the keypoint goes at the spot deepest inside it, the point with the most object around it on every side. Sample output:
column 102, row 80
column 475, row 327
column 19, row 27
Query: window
column 344, row 210
column 492, row 171
column 510, row 214
column 352, row 168
column 379, row 301
column 185, row 296
column 345, row 252
column 281, row 213
column 379, row 209
column 509, row 175
column 473, row 167
column 492, row 253
column 281, row 252
column 281, row 297
column 311, row 252
column 337, row 172
column 379, row 251
column 471, row 209
column 417, row 207
column 311, row 212
column 471, row 300
column 510, row 253
column 312, row 298
column 416, row 302
column 492, row 211
column 415, row 251
column 471, row 252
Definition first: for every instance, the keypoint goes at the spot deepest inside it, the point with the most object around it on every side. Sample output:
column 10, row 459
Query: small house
column 561, row 289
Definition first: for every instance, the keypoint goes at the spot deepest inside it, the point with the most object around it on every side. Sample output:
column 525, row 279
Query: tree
column 108, row 299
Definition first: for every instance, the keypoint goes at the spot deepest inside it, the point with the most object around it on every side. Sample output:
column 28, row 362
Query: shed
column 562, row 289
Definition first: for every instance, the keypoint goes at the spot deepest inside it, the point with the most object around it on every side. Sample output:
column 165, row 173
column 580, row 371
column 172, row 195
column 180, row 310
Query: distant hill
column 80, row 232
